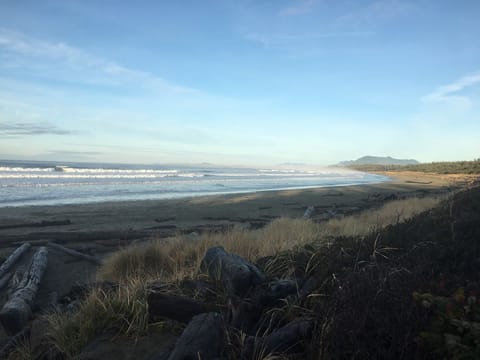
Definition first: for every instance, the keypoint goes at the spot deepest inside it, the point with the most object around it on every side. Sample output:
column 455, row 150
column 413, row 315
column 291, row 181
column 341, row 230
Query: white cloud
column 375, row 13
column 23, row 129
column 302, row 7
column 449, row 93
column 89, row 68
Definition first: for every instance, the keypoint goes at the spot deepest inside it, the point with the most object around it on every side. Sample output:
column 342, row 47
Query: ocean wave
column 98, row 175
column 67, row 169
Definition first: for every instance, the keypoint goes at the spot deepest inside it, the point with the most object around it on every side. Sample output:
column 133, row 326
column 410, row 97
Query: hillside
column 445, row 167
column 378, row 160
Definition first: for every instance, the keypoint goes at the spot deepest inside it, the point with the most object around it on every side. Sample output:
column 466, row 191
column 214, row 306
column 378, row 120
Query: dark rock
column 203, row 338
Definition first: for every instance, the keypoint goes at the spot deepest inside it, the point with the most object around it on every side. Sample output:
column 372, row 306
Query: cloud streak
column 376, row 12
column 279, row 39
column 30, row 129
column 75, row 60
column 303, row 7
column 449, row 93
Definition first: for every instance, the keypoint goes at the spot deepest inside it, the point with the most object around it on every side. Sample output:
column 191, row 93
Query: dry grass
column 369, row 221
column 22, row 351
column 120, row 311
column 125, row 311
column 178, row 258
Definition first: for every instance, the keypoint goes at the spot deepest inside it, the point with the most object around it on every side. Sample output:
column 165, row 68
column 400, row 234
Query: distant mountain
column 378, row 160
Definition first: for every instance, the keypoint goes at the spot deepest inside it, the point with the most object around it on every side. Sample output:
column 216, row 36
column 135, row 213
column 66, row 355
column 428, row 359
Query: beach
column 99, row 229
column 107, row 226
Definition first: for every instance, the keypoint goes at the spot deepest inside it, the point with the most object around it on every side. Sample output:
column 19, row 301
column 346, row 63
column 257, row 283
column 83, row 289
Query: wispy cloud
column 377, row 11
column 300, row 7
column 26, row 129
column 90, row 68
column 449, row 93
column 279, row 39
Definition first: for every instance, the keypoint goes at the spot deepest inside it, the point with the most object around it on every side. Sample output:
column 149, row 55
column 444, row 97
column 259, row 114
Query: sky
column 252, row 82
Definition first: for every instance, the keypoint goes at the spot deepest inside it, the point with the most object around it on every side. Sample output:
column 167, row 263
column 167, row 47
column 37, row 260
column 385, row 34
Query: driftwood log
column 75, row 253
column 309, row 212
column 236, row 273
column 203, row 338
column 17, row 310
column 287, row 339
column 11, row 260
column 173, row 307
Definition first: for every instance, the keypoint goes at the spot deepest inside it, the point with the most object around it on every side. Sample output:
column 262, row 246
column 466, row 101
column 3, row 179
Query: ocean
column 24, row 183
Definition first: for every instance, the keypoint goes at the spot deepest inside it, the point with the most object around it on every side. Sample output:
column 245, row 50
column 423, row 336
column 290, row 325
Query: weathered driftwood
column 17, row 310
column 17, row 279
column 287, row 339
column 203, row 338
column 43, row 223
column 173, row 307
column 309, row 212
column 75, row 253
column 237, row 274
column 11, row 260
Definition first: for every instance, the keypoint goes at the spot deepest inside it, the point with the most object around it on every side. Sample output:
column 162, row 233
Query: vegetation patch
column 453, row 167
column 362, row 283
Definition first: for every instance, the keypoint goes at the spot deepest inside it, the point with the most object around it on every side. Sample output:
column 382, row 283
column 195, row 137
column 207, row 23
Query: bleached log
column 75, row 253
column 11, row 260
column 203, row 338
column 17, row 310
column 308, row 213
column 238, row 275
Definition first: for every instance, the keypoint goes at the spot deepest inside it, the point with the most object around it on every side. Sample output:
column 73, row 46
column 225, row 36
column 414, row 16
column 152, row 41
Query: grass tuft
column 120, row 311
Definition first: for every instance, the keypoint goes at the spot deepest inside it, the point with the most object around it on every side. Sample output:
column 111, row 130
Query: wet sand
column 112, row 224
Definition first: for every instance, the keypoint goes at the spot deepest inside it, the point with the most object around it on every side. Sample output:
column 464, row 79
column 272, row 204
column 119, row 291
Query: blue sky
column 239, row 82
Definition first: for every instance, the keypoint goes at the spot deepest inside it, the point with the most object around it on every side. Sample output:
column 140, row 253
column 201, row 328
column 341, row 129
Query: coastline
column 102, row 228
column 118, row 223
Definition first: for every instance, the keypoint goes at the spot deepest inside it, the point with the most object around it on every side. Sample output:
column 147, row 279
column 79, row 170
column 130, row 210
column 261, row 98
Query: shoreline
column 200, row 195
column 120, row 222
column 101, row 229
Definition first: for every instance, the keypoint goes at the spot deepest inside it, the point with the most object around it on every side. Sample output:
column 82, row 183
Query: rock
column 203, row 338
column 236, row 273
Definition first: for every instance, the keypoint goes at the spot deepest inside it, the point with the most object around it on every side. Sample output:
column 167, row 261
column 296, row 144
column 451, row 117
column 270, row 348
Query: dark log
column 309, row 212
column 75, row 253
column 246, row 313
column 182, row 309
column 237, row 274
column 17, row 310
column 43, row 223
column 287, row 339
column 277, row 290
column 203, row 338
column 8, row 264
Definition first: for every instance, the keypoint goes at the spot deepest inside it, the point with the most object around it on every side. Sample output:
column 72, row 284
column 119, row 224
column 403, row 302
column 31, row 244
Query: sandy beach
column 102, row 228
column 110, row 225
